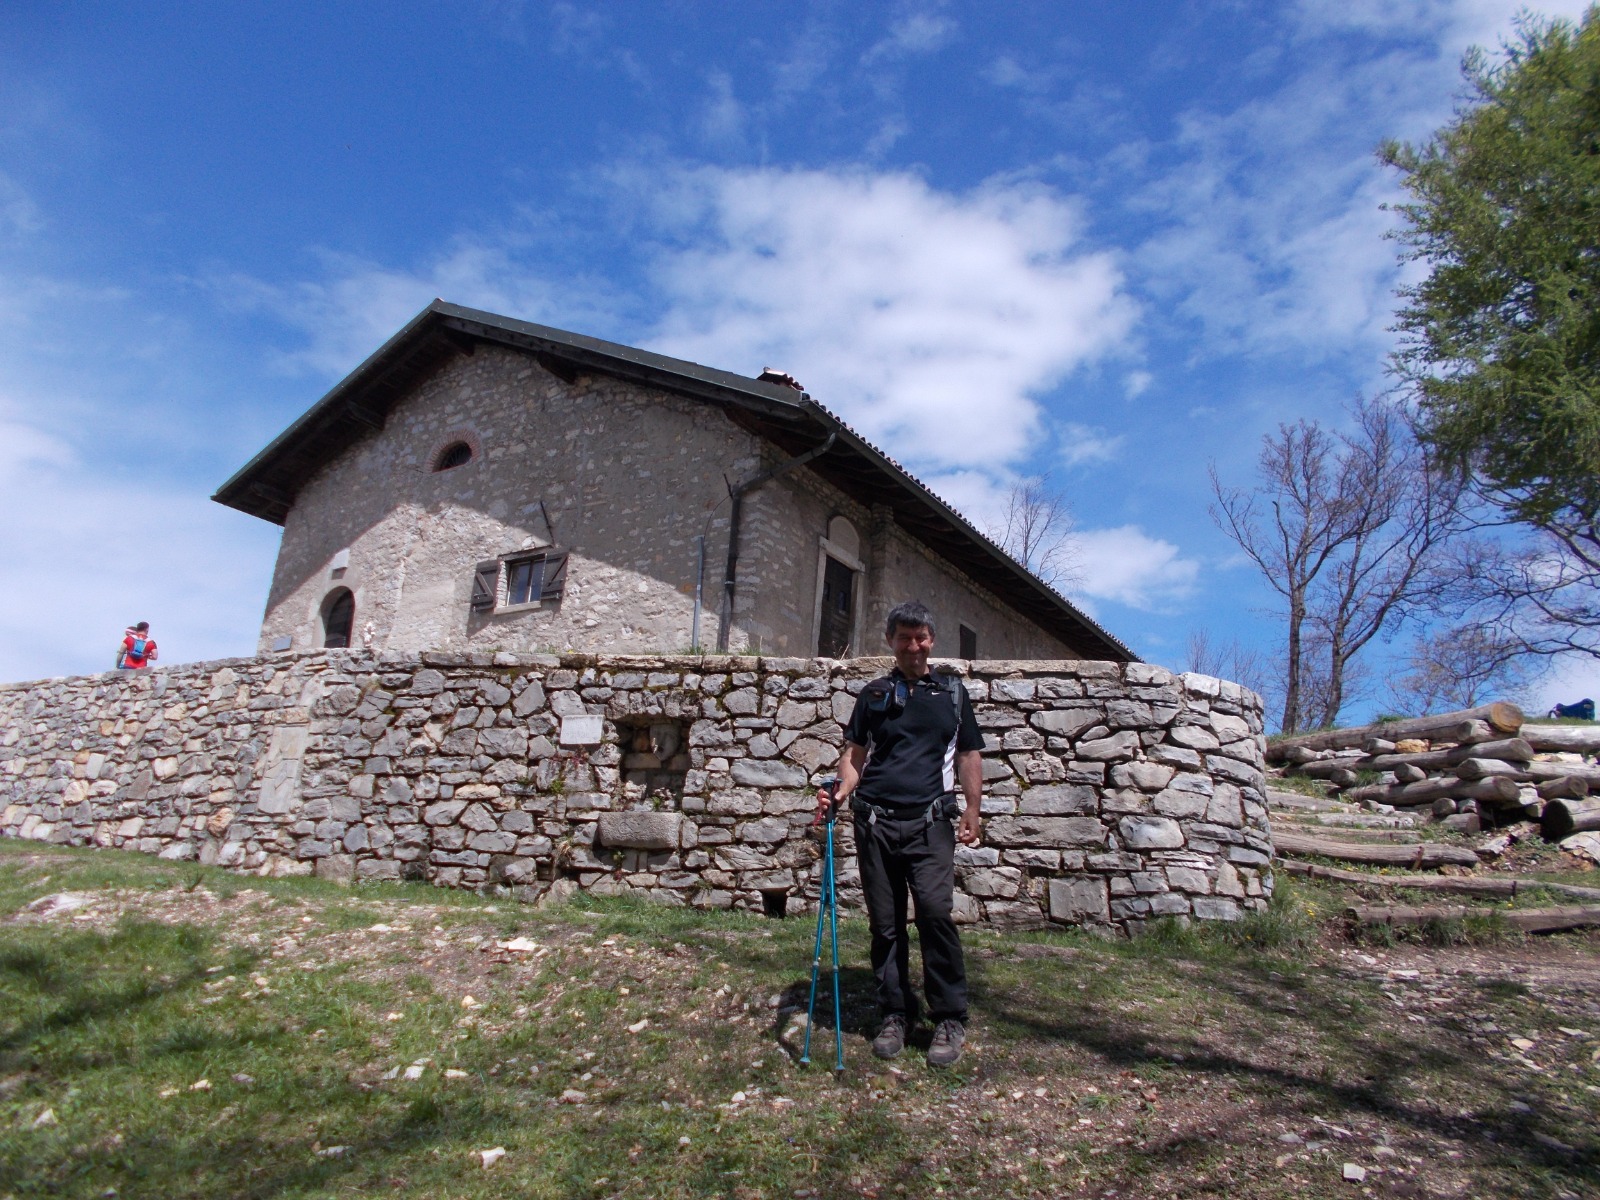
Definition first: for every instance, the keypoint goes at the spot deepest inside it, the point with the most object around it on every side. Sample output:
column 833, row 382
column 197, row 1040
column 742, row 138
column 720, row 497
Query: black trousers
column 916, row 857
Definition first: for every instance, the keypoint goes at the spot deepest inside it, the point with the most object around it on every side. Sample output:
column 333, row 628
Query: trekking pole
column 827, row 910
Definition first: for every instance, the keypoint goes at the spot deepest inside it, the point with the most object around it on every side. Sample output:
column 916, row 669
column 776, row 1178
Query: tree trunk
column 1506, row 749
column 1570, row 787
column 1291, row 683
column 1424, row 854
column 1457, row 884
column 1529, row 920
column 1486, row 768
column 1493, row 791
column 1502, row 716
column 1563, row 818
column 1579, row 739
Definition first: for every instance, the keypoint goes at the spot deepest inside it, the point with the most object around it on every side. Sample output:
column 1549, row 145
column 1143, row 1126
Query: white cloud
column 1452, row 25
column 84, row 553
column 917, row 33
column 1136, row 383
column 928, row 319
column 1128, row 566
column 724, row 117
column 19, row 215
column 1274, row 235
column 1088, row 444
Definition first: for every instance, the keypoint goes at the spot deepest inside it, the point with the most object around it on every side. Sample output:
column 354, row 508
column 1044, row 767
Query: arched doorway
column 338, row 618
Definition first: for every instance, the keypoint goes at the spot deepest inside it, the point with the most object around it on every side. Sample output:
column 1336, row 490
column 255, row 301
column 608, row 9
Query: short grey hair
column 911, row 614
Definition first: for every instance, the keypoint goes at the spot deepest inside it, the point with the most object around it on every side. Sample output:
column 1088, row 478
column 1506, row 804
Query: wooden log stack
column 1486, row 761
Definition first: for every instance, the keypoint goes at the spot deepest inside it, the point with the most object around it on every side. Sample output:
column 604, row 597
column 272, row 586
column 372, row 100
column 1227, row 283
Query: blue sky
column 1114, row 242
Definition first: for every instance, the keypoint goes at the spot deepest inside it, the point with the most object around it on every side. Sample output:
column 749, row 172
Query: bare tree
column 1461, row 668
column 1349, row 529
column 1227, row 660
column 1037, row 531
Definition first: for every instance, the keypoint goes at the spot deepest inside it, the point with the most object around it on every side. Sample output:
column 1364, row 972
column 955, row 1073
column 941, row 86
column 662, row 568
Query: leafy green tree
column 1501, row 339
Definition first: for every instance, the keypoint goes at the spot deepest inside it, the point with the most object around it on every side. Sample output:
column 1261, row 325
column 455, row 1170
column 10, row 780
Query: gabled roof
column 266, row 486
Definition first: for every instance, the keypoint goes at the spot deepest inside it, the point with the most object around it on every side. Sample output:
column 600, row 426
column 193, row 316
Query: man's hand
column 825, row 801
column 971, row 827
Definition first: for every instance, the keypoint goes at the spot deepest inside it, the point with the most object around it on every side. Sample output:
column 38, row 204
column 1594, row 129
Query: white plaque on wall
column 582, row 731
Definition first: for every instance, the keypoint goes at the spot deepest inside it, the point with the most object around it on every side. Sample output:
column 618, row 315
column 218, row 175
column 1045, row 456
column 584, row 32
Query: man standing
column 138, row 648
column 911, row 737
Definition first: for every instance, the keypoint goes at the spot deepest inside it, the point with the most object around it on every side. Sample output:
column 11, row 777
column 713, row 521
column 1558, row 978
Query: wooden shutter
column 555, row 575
column 486, row 586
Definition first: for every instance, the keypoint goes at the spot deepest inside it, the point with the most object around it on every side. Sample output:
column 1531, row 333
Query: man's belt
column 908, row 812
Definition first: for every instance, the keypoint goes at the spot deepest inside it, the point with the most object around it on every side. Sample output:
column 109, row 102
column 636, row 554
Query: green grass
column 1162, row 1065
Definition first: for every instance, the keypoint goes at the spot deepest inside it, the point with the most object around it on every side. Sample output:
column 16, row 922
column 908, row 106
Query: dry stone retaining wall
column 1113, row 793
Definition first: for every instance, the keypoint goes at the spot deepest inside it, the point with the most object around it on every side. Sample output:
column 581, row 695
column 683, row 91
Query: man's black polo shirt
column 911, row 755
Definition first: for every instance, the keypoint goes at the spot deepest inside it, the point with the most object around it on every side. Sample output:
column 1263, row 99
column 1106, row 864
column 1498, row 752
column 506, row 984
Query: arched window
column 338, row 618
column 456, row 454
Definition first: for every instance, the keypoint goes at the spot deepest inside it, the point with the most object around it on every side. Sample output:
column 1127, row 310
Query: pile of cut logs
column 1479, row 767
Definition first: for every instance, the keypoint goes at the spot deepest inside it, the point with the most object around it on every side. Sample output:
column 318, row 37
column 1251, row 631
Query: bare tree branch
column 1037, row 531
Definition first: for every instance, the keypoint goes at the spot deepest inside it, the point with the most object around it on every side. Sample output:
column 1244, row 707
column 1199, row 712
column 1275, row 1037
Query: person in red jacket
column 138, row 648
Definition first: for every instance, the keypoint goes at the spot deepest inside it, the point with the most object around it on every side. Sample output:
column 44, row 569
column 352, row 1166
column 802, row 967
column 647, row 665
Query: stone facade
column 1114, row 793
column 624, row 476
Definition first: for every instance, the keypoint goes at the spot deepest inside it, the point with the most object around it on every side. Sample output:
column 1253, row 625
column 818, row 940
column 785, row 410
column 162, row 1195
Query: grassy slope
column 1181, row 1064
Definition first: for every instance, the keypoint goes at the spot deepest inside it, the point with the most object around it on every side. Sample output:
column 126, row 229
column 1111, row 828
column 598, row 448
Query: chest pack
column 888, row 695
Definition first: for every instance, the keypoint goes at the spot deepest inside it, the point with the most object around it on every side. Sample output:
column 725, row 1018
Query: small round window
column 456, row 454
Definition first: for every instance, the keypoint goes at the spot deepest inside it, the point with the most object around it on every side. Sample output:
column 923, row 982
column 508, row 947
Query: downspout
column 736, row 492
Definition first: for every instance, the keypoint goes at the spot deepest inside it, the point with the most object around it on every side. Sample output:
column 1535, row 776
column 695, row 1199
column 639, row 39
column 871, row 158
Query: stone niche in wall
column 1113, row 794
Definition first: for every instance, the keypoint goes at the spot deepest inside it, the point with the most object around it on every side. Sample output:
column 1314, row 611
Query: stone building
column 483, row 484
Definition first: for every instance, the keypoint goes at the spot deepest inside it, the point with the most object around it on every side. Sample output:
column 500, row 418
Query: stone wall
column 1113, row 793
column 625, row 477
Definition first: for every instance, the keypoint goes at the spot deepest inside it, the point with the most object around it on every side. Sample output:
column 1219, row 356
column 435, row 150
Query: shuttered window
column 531, row 579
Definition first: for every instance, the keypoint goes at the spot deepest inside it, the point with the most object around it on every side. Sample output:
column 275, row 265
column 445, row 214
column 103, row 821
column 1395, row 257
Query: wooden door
column 838, row 609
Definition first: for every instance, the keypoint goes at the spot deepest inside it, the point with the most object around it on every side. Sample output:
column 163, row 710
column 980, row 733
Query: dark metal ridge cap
column 926, row 495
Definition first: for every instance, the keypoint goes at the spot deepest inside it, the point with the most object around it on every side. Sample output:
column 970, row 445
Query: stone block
column 443, row 813
column 582, row 730
column 977, row 856
column 339, row 868
column 1216, row 908
column 1046, row 831
column 1179, row 804
column 768, row 773
column 1076, row 901
column 1195, row 737
column 1056, row 800
column 1118, row 745
column 1174, row 756
column 639, row 830
column 492, row 842
column 1225, row 807
column 1150, row 833
column 1002, row 883
column 477, row 818
column 763, row 831
column 1169, row 904
column 1065, row 722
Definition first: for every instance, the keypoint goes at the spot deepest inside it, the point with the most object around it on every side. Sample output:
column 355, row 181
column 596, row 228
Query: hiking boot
column 891, row 1039
column 948, row 1038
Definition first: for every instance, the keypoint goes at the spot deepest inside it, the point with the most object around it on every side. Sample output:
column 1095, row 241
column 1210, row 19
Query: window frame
column 551, row 584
